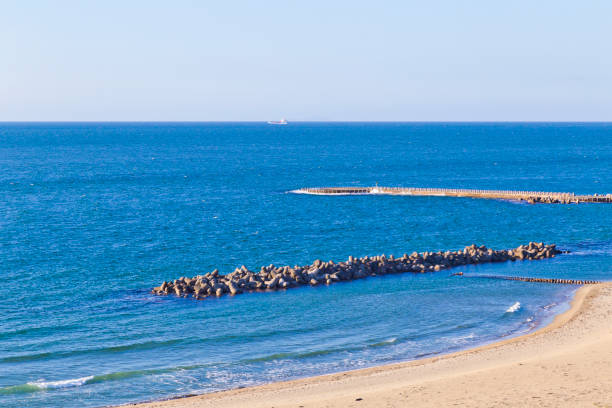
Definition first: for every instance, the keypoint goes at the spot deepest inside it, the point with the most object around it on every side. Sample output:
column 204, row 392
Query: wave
column 150, row 345
column 461, row 340
column 295, row 356
column 41, row 385
column 52, row 385
column 385, row 342
column 20, row 389
column 44, row 385
column 590, row 248
column 36, row 386
column 514, row 307
column 114, row 349
column 34, row 330
column 372, row 344
column 431, row 353
column 316, row 353
column 122, row 375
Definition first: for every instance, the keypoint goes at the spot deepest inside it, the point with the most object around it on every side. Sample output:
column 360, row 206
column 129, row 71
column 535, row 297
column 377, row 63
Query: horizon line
column 305, row 121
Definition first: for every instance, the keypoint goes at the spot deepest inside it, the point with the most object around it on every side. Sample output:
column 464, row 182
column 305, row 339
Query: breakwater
column 325, row 273
column 539, row 280
column 532, row 197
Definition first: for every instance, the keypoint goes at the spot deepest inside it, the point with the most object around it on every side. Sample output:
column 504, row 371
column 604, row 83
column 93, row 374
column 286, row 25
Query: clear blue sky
column 305, row 60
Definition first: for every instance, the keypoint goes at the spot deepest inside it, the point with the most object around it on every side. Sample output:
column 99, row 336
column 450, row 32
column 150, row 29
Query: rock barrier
column 550, row 200
column 532, row 197
column 325, row 273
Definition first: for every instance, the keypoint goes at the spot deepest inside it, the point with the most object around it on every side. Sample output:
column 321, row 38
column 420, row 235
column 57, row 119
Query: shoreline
column 375, row 386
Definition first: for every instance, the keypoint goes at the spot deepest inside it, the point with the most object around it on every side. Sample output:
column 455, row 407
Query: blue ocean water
column 93, row 215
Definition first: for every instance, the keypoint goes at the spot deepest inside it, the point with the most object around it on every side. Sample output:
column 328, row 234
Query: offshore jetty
column 542, row 280
column 532, row 197
column 325, row 273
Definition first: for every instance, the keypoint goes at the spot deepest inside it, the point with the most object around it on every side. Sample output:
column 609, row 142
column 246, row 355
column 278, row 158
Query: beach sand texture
column 565, row 364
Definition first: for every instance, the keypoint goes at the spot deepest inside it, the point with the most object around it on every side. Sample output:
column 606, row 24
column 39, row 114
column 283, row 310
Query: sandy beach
column 565, row 364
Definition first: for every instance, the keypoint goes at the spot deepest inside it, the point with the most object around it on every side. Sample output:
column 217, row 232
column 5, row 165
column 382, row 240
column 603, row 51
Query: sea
column 93, row 215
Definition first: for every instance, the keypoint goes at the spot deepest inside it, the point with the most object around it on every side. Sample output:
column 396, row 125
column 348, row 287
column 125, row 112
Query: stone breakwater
column 325, row 273
column 532, row 197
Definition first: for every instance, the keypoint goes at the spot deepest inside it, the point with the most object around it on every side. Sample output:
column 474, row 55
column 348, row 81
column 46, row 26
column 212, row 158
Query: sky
column 315, row 60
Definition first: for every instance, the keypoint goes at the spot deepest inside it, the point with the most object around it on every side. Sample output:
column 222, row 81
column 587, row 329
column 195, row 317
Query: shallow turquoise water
column 94, row 215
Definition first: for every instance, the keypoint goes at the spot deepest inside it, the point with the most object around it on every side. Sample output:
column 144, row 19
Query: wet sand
column 565, row 364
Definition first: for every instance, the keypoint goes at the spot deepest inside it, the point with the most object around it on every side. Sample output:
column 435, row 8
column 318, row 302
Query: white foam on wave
column 514, row 307
column 461, row 340
column 583, row 252
column 73, row 382
column 386, row 342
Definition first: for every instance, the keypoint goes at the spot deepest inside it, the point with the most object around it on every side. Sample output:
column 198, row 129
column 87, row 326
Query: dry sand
column 565, row 364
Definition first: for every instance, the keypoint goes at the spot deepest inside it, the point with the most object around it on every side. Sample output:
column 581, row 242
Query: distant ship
column 277, row 122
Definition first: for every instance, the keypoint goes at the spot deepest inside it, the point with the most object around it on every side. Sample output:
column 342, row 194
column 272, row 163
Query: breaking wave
column 514, row 307
column 43, row 385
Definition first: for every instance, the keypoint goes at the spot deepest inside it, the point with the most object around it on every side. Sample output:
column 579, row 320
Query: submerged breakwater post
column 325, row 273
column 532, row 197
column 540, row 280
